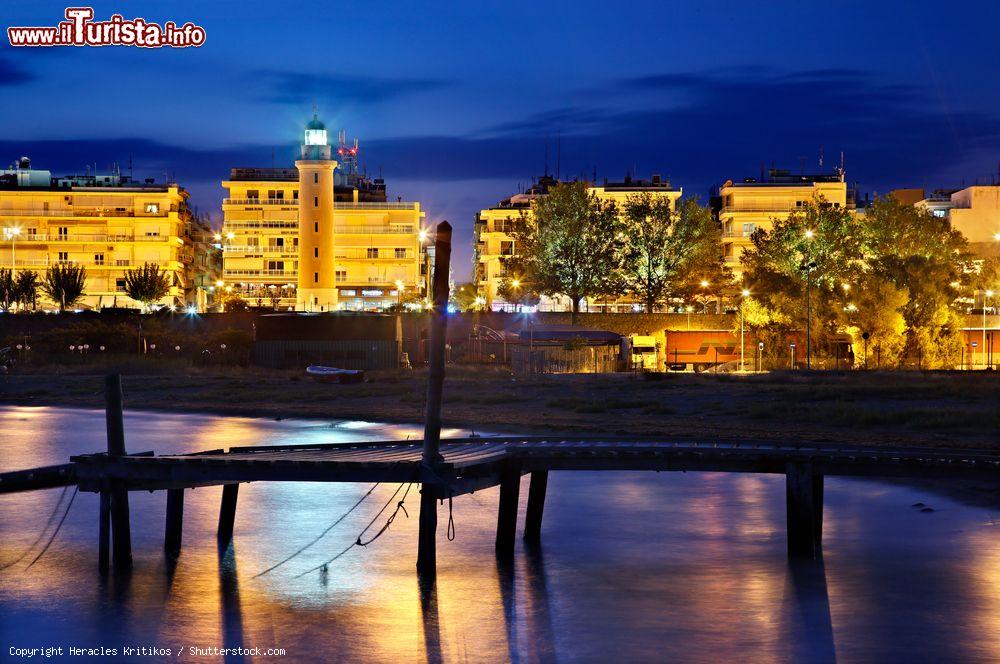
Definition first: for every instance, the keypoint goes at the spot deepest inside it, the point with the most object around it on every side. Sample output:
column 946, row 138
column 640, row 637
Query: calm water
column 635, row 566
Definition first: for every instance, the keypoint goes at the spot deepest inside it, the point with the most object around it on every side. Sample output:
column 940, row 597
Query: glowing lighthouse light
column 315, row 132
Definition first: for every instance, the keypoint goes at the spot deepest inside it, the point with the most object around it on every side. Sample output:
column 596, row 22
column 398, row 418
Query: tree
column 465, row 296
column 8, row 289
column 64, row 284
column 147, row 284
column 570, row 246
column 26, row 286
column 650, row 260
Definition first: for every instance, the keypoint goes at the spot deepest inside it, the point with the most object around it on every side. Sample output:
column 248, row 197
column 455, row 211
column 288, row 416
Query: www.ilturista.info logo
column 79, row 29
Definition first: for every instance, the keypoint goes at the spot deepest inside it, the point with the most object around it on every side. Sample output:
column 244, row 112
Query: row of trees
column 892, row 276
column 577, row 245
column 64, row 285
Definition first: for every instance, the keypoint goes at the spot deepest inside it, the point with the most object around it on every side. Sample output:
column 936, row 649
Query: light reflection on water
column 636, row 566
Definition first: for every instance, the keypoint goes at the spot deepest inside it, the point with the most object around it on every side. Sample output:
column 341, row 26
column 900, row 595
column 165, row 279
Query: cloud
column 296, row 88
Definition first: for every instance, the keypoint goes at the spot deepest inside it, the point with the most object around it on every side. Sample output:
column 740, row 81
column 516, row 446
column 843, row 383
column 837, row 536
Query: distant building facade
column 320, row 236
column 754, row 203
column 107, row 223
column 494, row 243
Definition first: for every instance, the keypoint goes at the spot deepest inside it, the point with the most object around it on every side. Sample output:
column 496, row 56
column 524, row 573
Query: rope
column 451, row 522
column 358, row 542
column 58, row 528
column 52, row 517
column 322, row 534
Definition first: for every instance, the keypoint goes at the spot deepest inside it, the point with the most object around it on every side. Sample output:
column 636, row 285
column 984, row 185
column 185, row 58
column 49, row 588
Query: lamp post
column 11, row 232
column 399, row 293
column 744, row 295
column 987, row 294
column 704, row 295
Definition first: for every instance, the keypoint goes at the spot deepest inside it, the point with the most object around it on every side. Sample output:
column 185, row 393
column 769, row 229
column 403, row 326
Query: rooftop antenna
column 130, row 174
column 802, row 165
column 546, row 173
column 821, row 158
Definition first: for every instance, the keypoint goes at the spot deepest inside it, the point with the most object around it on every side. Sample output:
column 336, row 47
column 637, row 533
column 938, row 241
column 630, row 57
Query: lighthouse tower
column 317, row 289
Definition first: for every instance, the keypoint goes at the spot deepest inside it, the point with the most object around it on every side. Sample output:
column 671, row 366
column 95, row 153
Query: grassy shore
column 954, row 409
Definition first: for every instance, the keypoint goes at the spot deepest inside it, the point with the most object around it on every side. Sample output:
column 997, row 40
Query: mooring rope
column 322, row 534
column 451, row 521
column 52, row 516
column 58, row 528
column 358, row 542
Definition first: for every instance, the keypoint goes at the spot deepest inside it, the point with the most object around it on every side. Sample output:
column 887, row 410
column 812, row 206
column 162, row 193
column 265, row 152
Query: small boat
column 335, row 375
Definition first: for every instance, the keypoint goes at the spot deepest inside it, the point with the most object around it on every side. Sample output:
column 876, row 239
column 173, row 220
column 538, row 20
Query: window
column 98, row 259
column 507, row 248
column 253, row 241
column 341, row 275
column 276, row 194
column 253, row 193
column 315, row 201
column 748, row 229
column 315, row 277
column 63, row 256
column 348, row 293
column 277, row 266
column 295, row 195
column 315, row 178
column 277, row 242
column 315, row 227
column 152, row 208
column 120, row 285
column 315, row 252
column 372, row 252
column 63, row 232
column 400, row 252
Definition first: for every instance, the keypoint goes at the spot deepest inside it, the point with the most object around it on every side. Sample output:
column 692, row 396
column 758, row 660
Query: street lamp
column 808, row 267
column 399, row 292
column 11, row 233
column 987, row 294
column 745, row 294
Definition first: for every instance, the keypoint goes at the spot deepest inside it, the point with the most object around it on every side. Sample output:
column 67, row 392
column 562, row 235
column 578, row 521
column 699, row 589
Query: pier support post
column 431, row 457
column 510, row 489
column 227, row 513
column 175, row 521
column 536, row 504
column 804, row 510
column 121, row 533
column 104, row 534
column 427, row 537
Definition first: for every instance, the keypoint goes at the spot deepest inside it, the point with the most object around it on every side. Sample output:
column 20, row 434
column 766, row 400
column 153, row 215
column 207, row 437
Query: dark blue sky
column 454, row 102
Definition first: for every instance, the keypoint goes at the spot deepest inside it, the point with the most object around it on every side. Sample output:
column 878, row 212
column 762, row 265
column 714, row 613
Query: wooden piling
column 104, row 534
column 536, row 505
column 804, row 510
column 175, row 521
column 227, row 513
column 121, row 533
column 510, row 490
column 427, row 538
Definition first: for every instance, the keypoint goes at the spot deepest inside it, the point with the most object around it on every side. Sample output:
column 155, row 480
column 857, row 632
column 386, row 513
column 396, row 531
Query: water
column 635, row 566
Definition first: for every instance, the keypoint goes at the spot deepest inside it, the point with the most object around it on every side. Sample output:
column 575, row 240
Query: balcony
column 384, row 205
column 82, row 238
column 288, row 274
column 261, row 201
column 362, row 254
column 257, row 249
column 240, row 225
column 374, row 230
column 81, row 212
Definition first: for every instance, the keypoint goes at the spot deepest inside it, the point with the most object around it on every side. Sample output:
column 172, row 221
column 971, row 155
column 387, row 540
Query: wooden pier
column 446, row 469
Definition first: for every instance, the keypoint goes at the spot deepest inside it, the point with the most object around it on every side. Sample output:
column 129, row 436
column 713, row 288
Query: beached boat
column 335, row 375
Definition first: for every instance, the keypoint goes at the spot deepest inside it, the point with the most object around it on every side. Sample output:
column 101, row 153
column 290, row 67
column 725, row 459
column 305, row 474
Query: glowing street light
column 516, row 283
column 11, row 233
column 810, row 234
column 987, row 294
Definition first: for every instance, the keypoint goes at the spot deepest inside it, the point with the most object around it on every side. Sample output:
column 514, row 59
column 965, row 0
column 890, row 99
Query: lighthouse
column 317, row 288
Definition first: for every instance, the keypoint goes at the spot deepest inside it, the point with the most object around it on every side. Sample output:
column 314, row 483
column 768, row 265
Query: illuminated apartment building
column 755, row 203
column 320, row 236
column 493, row 241
column 106, row 223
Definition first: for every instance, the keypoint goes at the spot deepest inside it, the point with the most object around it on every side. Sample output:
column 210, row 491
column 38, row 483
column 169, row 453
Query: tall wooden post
column 227, row 513
column 175, row 521
column 104, row 534
column 510, row 490
column 120, row 530
column 427, row 539
column 536, row 505
column 804, row 510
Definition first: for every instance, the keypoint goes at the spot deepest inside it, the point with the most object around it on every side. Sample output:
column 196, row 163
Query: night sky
column 454, row 103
